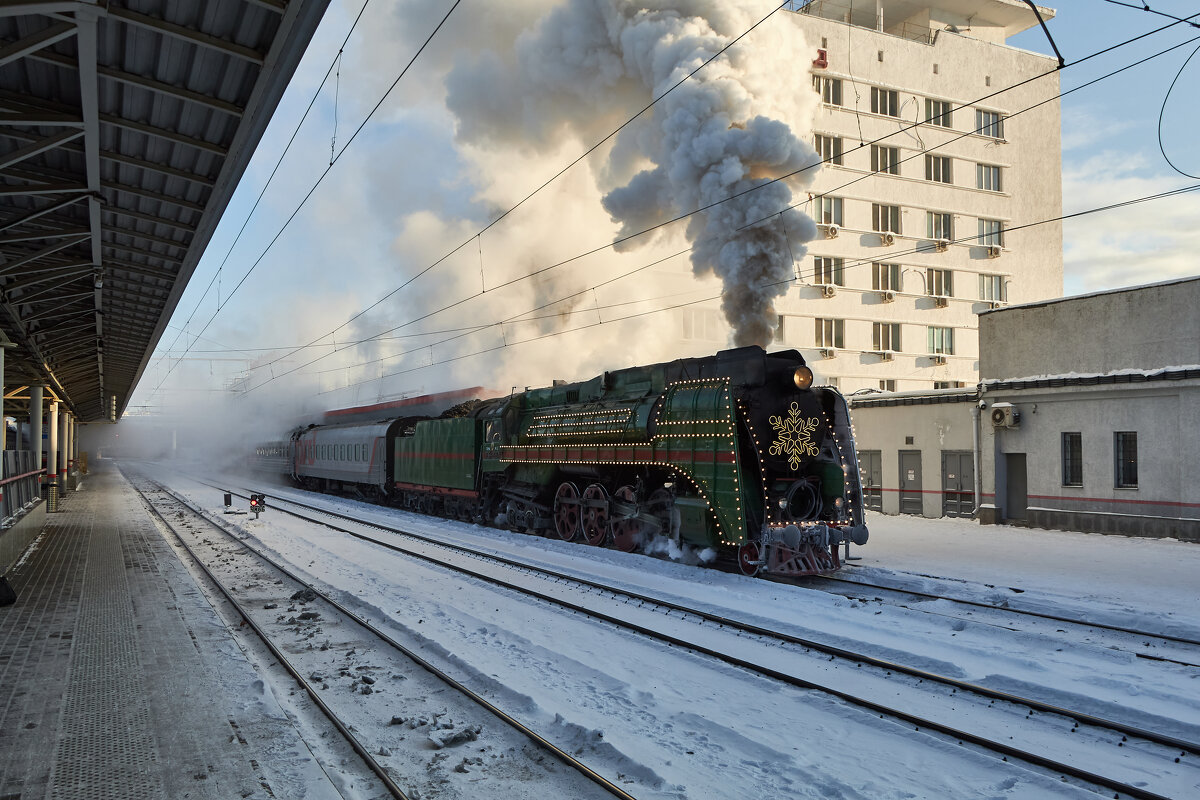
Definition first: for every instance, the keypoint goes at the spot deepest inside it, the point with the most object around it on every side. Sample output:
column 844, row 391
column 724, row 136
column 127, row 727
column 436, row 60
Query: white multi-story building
column 941, row 192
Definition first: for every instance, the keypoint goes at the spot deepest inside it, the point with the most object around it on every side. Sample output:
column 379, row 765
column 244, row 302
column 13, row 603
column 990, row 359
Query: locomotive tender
column 737, row 452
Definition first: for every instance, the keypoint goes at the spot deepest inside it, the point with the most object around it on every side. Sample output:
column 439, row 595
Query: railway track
column 1106, row 753
column 351, row 652
column 1176, row 649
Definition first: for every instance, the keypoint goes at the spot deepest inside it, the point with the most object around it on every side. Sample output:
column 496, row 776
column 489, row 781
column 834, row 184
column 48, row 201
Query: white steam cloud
column 728, row 129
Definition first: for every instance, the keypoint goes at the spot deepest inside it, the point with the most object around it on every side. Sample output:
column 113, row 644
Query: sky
column 504, row 97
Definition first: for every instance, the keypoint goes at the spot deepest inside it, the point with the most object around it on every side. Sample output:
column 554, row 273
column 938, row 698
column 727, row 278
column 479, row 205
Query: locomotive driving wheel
column 627, row 532
column 595, row 514
column 567, row 511
column 748, row 556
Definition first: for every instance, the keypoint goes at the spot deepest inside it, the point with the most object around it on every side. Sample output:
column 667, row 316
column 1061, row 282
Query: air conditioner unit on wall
column 1005, row 415
column 941, row 302
column 938, row 360
column 887, row 296
column 996, row 304
column 887, row 238
column 884, row 355
column 941, row 245
column 993, row 251
column 830, row 230
column 828, row 352
column 822, row 59
column 828, row 291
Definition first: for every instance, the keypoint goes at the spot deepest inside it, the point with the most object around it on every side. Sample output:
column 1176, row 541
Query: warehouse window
column 1126, row 458
column 1072, row 459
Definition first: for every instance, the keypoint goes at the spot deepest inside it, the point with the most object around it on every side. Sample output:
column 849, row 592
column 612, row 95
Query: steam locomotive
column 737, row 454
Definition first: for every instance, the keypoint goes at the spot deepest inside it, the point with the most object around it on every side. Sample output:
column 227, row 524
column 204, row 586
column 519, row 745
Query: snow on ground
column 680, row 725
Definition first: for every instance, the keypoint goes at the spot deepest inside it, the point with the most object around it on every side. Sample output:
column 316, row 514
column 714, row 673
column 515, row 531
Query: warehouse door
column 1017, row 496
column 910, row 482
column 870, row 464
column 958, row 484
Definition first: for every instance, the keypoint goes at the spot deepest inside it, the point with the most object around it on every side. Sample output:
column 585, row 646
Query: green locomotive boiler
column 736, row 454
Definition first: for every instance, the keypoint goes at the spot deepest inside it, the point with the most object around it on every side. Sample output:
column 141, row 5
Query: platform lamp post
column 35, row 425
column 52, row 460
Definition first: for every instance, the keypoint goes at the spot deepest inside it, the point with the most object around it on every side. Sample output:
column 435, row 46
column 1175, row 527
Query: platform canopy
column 124, row 128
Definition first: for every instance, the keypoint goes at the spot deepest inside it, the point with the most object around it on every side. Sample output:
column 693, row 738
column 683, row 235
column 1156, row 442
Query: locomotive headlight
column 802, row 377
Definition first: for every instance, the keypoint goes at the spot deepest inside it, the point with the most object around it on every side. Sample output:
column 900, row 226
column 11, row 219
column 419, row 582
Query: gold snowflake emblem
column 795, row 436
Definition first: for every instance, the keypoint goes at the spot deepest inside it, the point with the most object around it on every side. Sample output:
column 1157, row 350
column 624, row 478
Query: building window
column 885, row 276
column 885, row 335
column 941, row 341
column 991, row 231
column 1125, row 455
column 987, row 177
column 885, row 159
column 870, row 470
column 701, row 324
column 937, row 112
column 939, row 226
column 948, row 385
column 991, row 287
column 885, row 218
column 937, row 168
column 829, row 271
column 830, row 89
column 885, row 101
column 831, row 333
column 989, row 123
column 887, row 386
column 1072, row 459
column 829, row 148
column 941, row 282
column 829, row 210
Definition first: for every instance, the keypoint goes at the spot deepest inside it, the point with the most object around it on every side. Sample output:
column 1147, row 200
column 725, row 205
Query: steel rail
column 920, row 722
column 502, row 715
column 1043, row 615
column 278, row 654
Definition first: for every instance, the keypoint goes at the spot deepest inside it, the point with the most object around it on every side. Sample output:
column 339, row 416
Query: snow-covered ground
column 678, row 724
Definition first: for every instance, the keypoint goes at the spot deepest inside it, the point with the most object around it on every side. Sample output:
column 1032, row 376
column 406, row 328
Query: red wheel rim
column 626, row 532
column 748, row 554
column 566, row 511
column 595, row 514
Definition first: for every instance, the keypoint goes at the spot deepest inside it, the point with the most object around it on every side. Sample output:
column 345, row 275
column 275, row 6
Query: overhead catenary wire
column 552, row 334
column 270, row 178
column 683, row 216
column 329, row 168
column 555, row 177
column 525, row 276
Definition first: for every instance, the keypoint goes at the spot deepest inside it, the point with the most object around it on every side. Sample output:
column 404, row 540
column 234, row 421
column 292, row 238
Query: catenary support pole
column 35, row 425
column 52, row 459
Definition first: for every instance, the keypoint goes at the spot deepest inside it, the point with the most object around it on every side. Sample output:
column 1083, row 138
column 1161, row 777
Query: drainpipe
column 976, row 452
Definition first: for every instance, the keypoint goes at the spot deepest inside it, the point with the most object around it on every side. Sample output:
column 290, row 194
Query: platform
column 118, row 679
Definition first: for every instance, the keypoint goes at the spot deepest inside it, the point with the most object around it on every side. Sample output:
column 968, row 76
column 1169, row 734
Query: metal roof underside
column 124, row 128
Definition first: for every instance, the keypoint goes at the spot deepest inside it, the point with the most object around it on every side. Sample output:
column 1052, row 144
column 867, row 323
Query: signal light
column 258, row 503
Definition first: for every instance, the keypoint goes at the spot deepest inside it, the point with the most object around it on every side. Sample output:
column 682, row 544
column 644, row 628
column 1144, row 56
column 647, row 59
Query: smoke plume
column 718, row 135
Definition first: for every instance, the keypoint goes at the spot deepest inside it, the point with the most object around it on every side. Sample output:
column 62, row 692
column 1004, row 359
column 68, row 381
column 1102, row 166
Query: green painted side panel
column 441, row 452
column 696, row 431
